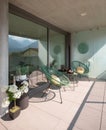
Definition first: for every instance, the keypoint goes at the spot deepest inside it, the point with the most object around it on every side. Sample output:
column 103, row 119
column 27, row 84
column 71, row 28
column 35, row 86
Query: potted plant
column 13, row 93
column 21, row 72
column 23, row 100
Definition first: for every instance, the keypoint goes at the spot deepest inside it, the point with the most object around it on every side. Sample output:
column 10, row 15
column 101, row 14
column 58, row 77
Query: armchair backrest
column 83, row 68
column 54, row 76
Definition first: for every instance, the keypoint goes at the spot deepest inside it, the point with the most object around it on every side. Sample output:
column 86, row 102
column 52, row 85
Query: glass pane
column 57, row 49
column 27, row 45
column 21, row 27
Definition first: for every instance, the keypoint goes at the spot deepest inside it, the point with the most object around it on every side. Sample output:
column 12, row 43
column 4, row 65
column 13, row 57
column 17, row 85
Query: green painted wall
column 96, row 41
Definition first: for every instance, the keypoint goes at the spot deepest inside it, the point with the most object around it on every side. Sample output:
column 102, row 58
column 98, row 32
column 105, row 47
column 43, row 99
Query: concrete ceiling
column 66, row 14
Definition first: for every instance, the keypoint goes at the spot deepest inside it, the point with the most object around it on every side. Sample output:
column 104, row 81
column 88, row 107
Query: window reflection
column 57, row 49
column 22, row 52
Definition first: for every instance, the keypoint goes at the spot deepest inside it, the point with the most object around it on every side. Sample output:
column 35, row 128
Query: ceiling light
column 83, row 14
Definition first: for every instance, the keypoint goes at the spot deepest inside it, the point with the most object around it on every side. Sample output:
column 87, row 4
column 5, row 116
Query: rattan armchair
column 80, row 68
column 55, row 77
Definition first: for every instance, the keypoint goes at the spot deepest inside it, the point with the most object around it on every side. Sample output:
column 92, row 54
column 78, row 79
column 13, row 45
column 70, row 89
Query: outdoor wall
column 95, row 49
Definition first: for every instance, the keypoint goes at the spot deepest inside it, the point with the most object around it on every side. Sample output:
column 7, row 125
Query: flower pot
column 23, row 102
column 21, row 77
column 14, row 112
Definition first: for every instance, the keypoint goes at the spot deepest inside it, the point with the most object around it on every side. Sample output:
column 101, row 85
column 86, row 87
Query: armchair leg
column 60, row 96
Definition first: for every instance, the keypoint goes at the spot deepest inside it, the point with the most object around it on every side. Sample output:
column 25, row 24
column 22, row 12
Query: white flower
column 5, row 102
column 24, row 88
column 17, row 94
column 12, row 88
column 25, row 83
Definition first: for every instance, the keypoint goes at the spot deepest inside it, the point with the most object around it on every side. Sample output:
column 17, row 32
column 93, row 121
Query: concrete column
column 3, row 51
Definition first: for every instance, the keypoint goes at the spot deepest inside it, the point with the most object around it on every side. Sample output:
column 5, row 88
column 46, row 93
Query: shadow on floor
column 41, row 93
column 6, row 117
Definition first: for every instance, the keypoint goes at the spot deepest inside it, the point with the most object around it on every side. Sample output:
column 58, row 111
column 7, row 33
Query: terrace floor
column 83, row 108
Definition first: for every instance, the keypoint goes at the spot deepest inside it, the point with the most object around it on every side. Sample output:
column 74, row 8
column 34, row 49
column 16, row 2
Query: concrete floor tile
column 90, row 117
column 52, row 115
column 103, row 123
column 61, row 125
column 2, row 127
column 70, row 113
column 95, row 99
column 89, row 120
column 104, row 108
column 54, row 108
column 32, row 119
column 87, row 125
column 97, row 106
column 75, row 128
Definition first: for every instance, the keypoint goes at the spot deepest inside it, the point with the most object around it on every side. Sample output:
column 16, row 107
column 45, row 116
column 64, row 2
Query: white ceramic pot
column 22, row 77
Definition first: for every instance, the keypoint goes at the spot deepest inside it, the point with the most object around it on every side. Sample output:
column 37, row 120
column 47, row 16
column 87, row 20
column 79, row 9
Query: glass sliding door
column 27, row 44
column 57, row 49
